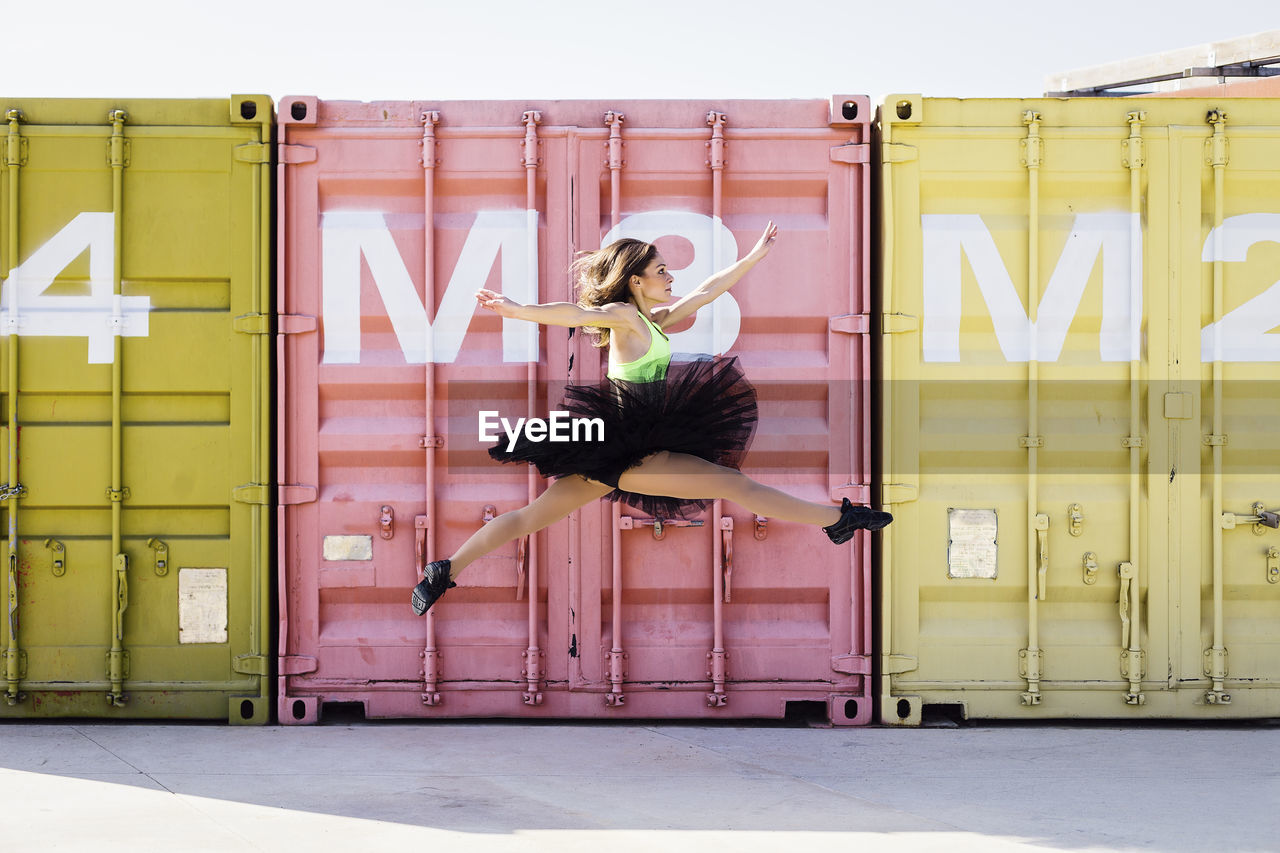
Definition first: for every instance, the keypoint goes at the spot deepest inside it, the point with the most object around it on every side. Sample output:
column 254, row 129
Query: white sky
column 543, row 49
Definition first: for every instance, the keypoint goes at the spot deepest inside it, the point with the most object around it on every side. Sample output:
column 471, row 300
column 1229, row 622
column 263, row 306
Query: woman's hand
column 498, row 304
column 765, row 243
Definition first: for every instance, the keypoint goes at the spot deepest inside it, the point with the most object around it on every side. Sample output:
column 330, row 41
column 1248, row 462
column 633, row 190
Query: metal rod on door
column 1132, row 653
column 1037, row 522
column 1216, row 667
column 430, row 654
column 13, row 653
column 717, row 697
column 533, row 654
column 617, row 656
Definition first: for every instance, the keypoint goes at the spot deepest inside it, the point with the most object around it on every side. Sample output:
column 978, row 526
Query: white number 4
column 98, row 316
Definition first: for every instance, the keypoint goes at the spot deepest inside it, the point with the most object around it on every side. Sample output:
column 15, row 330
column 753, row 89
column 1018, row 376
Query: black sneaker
column 433, row 585
column 856, row 518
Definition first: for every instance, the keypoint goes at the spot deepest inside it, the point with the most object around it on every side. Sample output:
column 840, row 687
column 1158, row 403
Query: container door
column 135, row 374
column 1020, row 433
column 731, row 614
column 1230, row 582
column 382, row 408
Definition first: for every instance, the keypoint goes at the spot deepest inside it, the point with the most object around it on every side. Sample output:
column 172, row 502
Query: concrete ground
column 606, row 787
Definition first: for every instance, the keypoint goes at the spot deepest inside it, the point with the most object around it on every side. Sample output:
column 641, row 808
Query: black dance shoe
column 856, row 518
column 433, row 585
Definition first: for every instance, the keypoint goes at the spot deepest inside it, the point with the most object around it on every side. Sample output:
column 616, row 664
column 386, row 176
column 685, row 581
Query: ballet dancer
column 674, row 433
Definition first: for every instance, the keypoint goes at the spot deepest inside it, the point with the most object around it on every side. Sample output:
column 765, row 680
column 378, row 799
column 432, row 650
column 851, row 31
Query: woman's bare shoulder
column 623, row 311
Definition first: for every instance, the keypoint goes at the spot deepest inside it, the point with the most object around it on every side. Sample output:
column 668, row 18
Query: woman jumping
column 674, row 434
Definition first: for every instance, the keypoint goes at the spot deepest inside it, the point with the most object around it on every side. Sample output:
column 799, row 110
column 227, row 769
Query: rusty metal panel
column 373, row 230
column 1052, row 451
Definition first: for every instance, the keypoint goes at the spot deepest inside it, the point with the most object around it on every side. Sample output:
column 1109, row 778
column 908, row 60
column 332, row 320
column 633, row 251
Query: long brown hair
column 603, row 276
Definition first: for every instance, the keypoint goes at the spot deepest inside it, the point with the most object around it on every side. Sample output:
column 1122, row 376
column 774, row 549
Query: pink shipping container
column 391, row 216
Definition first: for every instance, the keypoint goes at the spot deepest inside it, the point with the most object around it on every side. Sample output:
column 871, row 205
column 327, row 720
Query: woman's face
column 655, row 281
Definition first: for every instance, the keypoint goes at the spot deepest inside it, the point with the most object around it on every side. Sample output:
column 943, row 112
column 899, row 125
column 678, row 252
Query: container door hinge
column 295, row 324
column 252, row 493
column 254, row 152
column 898, row 493
column 250, row 665
column 894, row 664
column 897, row 324
column 894, row 152
column 852, row 664
column 851, row 324
column 856, row 493
column 853, row 153
column 293, row 494
column 291, row 155
column 297, row 664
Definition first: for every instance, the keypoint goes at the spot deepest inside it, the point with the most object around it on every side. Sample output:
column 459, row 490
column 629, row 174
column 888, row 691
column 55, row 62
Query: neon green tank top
column 649, row 367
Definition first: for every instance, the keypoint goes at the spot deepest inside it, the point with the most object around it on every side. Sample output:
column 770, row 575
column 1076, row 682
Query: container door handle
column 1042, row 568
column 726, row 537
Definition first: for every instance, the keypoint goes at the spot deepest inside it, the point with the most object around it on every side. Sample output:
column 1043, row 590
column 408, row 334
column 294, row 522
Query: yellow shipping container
column 135, row 248
column 1081, row 408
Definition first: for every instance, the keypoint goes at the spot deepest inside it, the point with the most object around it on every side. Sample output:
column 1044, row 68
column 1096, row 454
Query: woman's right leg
column 562, row 497
column 680, row 475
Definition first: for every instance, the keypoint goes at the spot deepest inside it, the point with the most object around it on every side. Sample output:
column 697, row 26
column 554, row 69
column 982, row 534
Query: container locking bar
column 1131, row 655
column 14, row 656
column 1031, row 658
column 117, row 658
column 533, row 655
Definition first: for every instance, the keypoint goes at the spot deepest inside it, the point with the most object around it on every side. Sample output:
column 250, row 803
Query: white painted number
column 1244, row 334
column 99, row 315
column 713, row 331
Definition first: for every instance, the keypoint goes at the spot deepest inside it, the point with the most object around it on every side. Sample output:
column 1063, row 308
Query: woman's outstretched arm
column 611, row 316
column 706, row 292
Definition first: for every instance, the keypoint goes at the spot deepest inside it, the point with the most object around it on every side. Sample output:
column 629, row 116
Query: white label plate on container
column 202, row 605
column 343, row 548
column 971, row 543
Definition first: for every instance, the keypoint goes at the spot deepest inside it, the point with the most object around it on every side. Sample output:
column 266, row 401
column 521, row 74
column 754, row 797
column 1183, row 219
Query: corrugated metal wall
column 1078, row 379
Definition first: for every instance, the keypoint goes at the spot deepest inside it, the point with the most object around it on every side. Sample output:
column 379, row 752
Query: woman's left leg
column 562, row 497
column 680, row 475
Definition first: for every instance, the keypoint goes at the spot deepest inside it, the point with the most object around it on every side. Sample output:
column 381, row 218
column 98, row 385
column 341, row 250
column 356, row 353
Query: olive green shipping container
column 1081, row 408
column 135, row 247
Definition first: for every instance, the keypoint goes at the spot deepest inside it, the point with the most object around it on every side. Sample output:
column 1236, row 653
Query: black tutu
column 704, row 408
